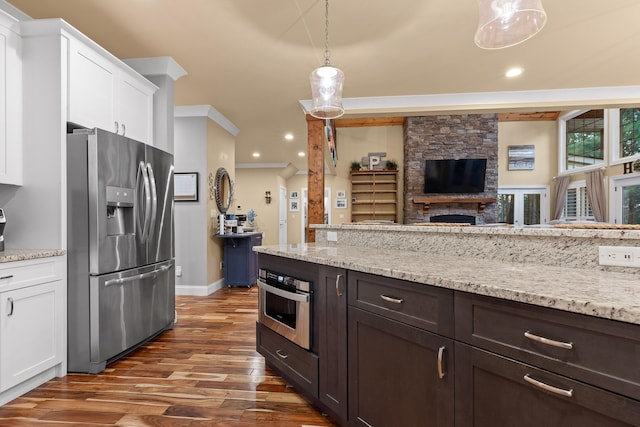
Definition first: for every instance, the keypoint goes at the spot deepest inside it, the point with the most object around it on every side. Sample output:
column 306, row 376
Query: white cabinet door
column 135, row 109
column 104, row 94
column 30, row 335
column 10, row 108
column 92, row 88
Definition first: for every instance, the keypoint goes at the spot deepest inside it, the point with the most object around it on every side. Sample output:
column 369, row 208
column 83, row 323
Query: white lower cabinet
column 32, row 324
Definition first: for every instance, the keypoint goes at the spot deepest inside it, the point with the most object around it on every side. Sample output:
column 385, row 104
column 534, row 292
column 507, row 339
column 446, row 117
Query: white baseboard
column 200, row 291
column 28, row 385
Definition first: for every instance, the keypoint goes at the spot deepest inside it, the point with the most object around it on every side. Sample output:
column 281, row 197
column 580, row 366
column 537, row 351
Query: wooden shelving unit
column 374, row 195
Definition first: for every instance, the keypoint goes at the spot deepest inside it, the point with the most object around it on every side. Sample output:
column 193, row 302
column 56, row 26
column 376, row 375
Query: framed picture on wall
column 341, row 203
column 521, row 157
column 294, row 205
column 341, row 194
column 293, row 195
column 185, row 186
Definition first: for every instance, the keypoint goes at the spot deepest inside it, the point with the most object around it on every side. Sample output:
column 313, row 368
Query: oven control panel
column 283, row 281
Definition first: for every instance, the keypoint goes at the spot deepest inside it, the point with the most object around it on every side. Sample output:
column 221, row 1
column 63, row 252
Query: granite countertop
column 10, row 255
column 609, row 295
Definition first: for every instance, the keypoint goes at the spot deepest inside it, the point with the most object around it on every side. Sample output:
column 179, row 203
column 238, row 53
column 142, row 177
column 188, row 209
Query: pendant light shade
column 504, row 23
column 326, row 92
column 326, row 83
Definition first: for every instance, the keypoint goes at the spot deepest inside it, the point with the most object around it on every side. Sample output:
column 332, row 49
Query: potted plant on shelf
column 391, row 165
column 355, row 166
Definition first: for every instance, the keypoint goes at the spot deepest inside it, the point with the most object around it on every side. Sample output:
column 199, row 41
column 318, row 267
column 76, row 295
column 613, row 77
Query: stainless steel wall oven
column 285, row 306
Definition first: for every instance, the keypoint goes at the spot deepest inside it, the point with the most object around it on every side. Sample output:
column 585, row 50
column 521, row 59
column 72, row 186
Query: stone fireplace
column 448, row 136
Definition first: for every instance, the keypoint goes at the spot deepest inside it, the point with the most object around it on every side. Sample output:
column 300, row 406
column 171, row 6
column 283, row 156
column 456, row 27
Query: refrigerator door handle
column 146, row 275
column 142, row 172
column 154, row 201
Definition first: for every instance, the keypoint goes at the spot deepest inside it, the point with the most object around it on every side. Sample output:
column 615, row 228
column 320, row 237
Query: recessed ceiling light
column 513, row 72
column 256, row 154
column 288, row 136
column 301, row 154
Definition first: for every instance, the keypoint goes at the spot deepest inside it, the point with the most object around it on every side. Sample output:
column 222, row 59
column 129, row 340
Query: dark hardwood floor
column 204, row 372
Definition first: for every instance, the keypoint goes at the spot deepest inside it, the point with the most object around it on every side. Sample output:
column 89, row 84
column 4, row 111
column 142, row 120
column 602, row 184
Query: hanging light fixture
column 326, row 83
column 504, row 23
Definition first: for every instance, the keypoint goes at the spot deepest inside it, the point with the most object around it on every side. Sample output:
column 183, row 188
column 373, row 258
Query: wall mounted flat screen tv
column 455, row 176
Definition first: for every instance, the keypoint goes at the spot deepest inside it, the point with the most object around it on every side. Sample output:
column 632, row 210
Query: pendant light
column 326, row 83
column 504, row 23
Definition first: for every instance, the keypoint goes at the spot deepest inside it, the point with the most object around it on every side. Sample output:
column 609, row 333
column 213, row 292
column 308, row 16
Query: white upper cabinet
column 10, row 103
column 106, row 94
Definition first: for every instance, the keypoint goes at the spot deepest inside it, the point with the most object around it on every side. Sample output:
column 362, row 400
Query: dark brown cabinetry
column 529, row 366
column 385, row 352
column 492, row 390
column 331, row 313
column 400, row 374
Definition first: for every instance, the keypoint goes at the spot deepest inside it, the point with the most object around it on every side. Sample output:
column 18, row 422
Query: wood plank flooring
column 204, row 372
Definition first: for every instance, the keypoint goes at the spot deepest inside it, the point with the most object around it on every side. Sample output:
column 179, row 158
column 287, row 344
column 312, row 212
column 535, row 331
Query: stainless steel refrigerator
column 121, row 282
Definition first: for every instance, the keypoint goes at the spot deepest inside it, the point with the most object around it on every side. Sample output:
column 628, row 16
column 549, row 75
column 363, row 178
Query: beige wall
column 251, row 185
column 544, row 136
column 355, row 143
column 220, row 153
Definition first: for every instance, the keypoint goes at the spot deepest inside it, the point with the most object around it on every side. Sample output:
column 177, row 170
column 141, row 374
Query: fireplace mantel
column 427, row 201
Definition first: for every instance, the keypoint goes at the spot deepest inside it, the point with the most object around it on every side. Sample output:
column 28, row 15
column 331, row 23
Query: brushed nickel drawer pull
column 10, row 301
column 338, row 293
column 6, row 277
column 281, row 354
column 547, row 341
column 392, row 299
column 441, row 371
column 547, row 387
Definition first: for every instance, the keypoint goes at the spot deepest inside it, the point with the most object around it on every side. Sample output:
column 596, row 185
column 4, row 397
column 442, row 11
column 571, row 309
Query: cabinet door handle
column 10, row 301
column 547, row 387
column 281, row 354
column 338, row 293
column 392, row 299
column 116, row 126
column 547, row 341
column 6, row 277
column 441, row 368
column 124, row 129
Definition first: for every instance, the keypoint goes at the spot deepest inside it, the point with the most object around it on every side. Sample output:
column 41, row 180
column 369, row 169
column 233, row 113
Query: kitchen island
column 527, row 316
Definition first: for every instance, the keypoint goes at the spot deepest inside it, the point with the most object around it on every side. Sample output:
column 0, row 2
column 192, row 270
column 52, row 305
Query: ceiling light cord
column 327, row 55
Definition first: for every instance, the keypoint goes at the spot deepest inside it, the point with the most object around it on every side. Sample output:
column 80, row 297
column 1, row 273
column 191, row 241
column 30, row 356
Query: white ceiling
column 251, row 59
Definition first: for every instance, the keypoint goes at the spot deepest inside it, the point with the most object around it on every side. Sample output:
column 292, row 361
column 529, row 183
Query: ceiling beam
column 529, row 117
column 369, row 121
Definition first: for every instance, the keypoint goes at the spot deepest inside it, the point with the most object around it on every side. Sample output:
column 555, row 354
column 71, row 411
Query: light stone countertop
column 610, row 295
column 10, row 255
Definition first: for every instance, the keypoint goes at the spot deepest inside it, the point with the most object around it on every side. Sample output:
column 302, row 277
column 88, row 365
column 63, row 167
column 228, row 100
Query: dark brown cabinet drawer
column 496, row 391
column 597, row 351
column 292, row 362
column 422, row 306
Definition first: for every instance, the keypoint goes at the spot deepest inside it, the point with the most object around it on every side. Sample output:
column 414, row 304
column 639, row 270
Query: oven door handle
column 294, row 296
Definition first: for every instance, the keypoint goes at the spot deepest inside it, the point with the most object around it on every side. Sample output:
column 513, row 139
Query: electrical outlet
column 625, row 256
column 332, row 236
column 178, row 270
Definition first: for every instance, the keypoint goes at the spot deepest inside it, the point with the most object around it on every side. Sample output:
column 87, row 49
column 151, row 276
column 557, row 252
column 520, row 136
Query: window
column 582, row 136
column 625, row 202
column 625, row 134
column 577, row 206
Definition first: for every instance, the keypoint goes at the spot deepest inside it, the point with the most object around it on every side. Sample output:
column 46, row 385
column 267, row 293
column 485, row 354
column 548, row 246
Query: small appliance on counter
column 3, row 222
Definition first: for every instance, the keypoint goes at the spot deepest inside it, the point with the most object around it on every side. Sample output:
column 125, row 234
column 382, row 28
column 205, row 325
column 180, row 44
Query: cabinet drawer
column 292, row 362
column 496, row 391
column 422, row 306
column 597, row 351
column 19, row 274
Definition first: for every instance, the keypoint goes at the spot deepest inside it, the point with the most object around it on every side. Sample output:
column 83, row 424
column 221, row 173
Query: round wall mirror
column 223, row 189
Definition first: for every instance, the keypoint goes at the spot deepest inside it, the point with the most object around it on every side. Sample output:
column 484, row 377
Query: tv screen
column 455, row 176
